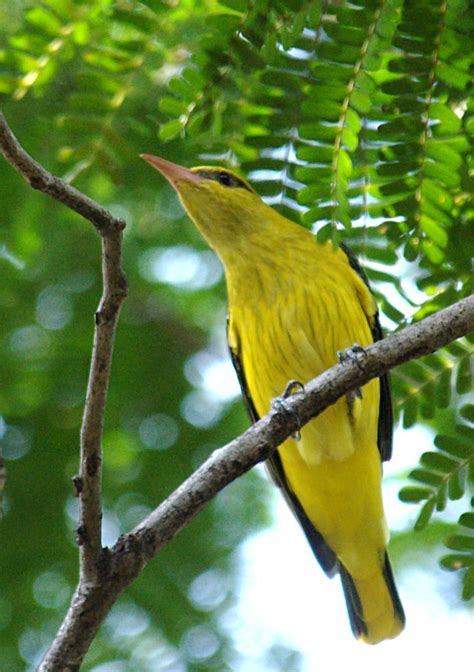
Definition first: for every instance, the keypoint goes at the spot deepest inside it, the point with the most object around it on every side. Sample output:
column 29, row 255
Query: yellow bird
column 293, row 304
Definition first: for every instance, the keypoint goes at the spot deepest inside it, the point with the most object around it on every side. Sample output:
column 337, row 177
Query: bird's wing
column 325, row 556
column 385, row 426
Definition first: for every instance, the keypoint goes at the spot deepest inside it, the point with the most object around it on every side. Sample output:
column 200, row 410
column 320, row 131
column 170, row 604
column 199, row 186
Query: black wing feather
column 385, row 425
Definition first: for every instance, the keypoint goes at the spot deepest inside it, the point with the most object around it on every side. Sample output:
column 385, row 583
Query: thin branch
column 125, row 560
column 88, row 482
column 41, row 179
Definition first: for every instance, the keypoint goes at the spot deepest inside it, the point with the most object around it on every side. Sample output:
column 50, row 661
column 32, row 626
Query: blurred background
column 86, row 87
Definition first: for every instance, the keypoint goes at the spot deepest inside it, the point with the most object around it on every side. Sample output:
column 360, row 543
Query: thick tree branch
column 125, row 560
column 88, row 482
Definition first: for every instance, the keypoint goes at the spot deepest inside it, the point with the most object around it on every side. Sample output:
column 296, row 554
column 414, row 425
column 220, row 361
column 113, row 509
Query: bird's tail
column 373, row 604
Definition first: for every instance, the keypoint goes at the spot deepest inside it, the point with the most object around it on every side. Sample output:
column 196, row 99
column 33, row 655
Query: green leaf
column 456, row 485
column 460, row 542
column 432, row 252
column 172, row 106
column 182, row 89
column 314, row 12
column 171, row 129
column 428, row 477
column 455, row 561
column 425, row 514
column 442, row 173
column 361, row 101
column 440, row 151
column 325, row 233
column 311, row 175
column 439, row 462
column 410, row 251
column 331, row 73
column 142, row 21
column 454, row 446
column 315, row 153
column 349, row 139
column 43, row 18
column 321, row 109
column 352, row 121
column 393, row 314
column 410, row 412
column 443, row 389
column 442, row 497
column 435, row 193
column 467, row 519
column 467, row 412
column 468, row 588
column 330, row 90
column 449, row 122
column 414, row 494
column 344, row 165
column 434, row 231
column 318, row 131
column 308, row 195
column 464, row 376
column 345, row 34
column 237, row 5
column 196, row 122
column 453, row 76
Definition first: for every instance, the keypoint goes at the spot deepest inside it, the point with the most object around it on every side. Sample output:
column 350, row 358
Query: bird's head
column 222, row 204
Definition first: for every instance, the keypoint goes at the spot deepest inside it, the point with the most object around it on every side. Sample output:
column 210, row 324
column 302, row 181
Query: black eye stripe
column 223, row 177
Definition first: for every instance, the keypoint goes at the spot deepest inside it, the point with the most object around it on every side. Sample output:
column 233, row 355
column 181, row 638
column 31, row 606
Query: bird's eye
column 225, row 179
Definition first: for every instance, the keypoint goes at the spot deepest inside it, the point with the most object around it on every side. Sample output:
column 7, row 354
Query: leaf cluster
column 448, row 474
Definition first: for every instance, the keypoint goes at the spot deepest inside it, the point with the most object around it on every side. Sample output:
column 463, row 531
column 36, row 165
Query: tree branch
column 126, row 559
column 88, row 482
column 41, row 179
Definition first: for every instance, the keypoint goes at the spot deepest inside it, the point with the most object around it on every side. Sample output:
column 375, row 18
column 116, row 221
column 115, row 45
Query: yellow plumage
column 293, row 304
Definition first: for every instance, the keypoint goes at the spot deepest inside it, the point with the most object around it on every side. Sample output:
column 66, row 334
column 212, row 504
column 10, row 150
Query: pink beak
column 171, row 171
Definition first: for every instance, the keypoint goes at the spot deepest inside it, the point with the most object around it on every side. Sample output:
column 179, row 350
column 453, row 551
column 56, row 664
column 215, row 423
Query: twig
column 125, row 560
column 89, row 532
column 41, row 179
column 88, row 483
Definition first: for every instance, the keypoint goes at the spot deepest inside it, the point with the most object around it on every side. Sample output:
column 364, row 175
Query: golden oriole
column 293, row 304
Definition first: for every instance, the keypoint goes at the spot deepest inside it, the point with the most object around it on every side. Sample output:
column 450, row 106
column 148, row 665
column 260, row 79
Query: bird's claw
column 279, row 404
column 291, row 386
column 356, row 355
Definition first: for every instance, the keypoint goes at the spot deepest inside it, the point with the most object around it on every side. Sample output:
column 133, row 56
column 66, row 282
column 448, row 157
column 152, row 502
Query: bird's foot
column 356, row 355
column 279, row 404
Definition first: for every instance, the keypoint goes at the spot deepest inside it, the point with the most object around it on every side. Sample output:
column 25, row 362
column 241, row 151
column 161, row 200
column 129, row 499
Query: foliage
column 354, row 118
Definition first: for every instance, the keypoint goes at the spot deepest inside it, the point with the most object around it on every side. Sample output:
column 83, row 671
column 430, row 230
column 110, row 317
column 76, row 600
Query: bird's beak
column 171, row 171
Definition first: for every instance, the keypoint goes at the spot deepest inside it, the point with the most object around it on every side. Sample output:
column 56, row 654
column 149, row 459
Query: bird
column 294, row 305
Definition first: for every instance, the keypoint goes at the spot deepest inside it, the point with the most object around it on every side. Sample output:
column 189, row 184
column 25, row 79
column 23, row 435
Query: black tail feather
column 353, row 604
column 388, row 576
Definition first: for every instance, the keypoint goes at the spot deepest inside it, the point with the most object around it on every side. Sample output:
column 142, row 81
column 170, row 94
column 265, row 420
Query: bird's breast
column 296, row 336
